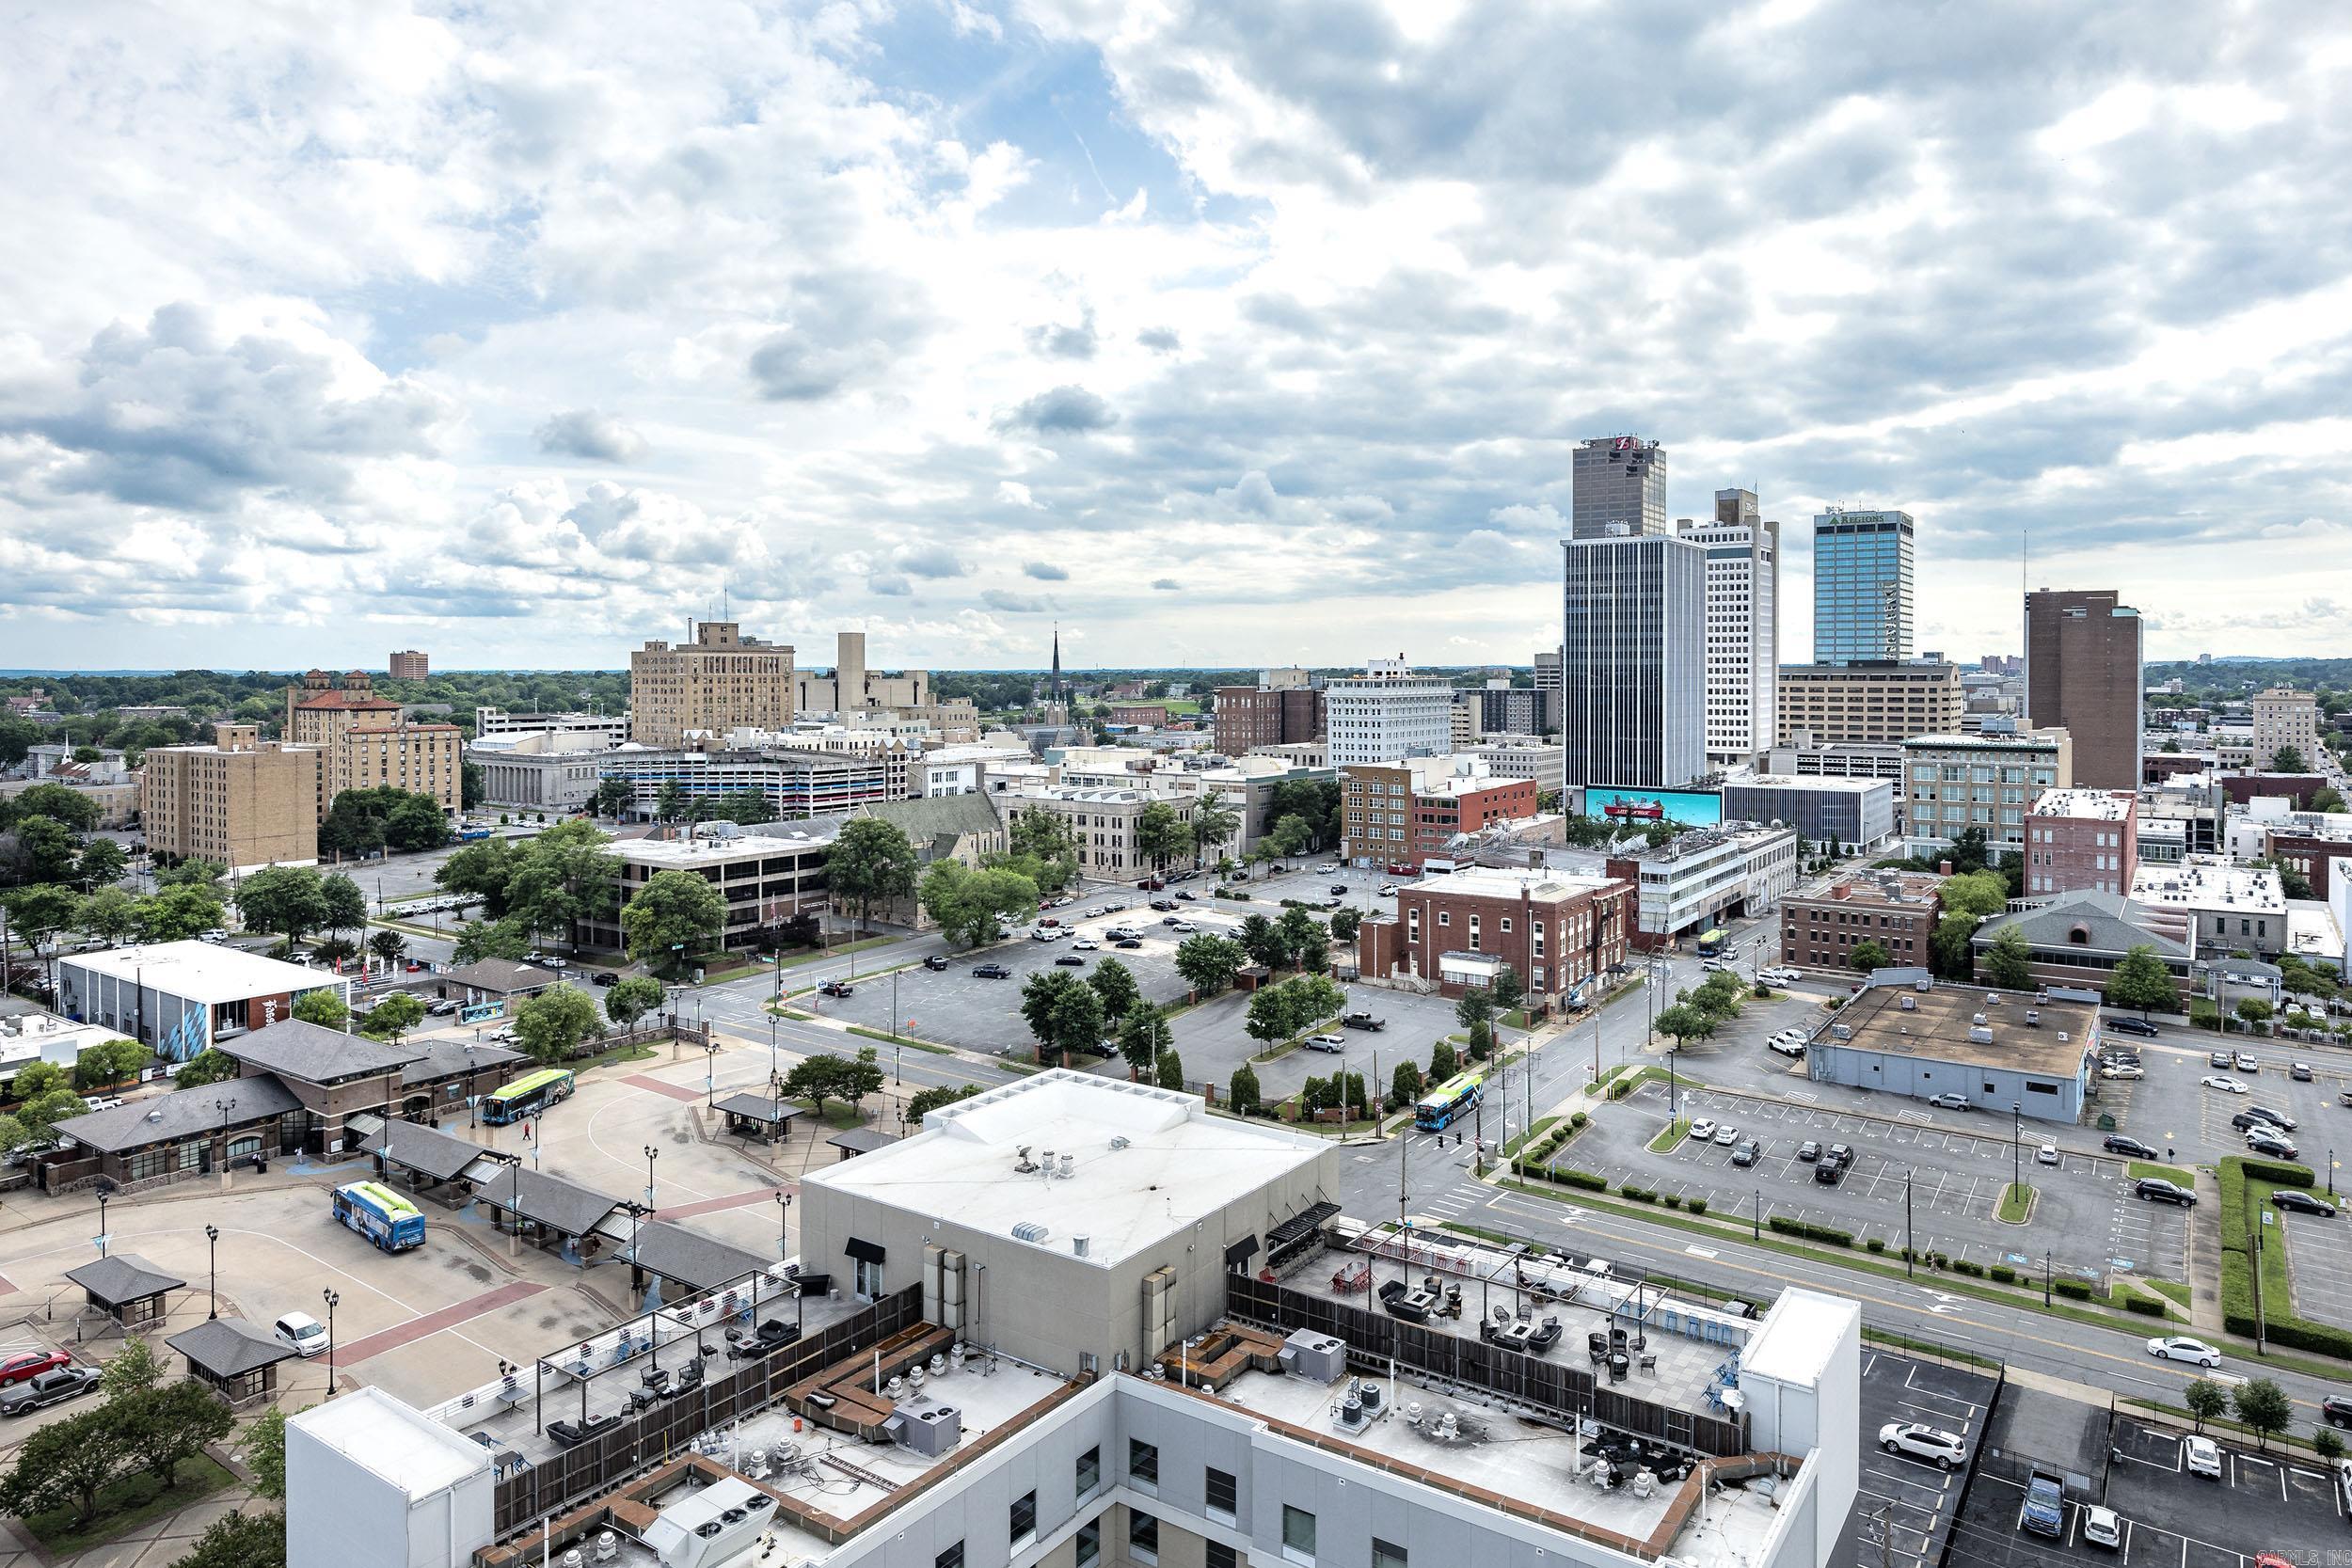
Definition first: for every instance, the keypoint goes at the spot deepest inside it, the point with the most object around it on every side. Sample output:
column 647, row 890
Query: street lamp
column 2017, row 1145
column 711, row 1072
column 331, row 1299
column 784, row 1215
column 224, row 1107
column 471, row 1115
column 1670, row 1084
column 105, row 1192
column 651, row 1155
column 212, row 1244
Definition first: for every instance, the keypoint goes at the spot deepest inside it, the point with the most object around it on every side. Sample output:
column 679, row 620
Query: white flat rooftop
column 2212, row 883
column 407, row 1449
column 203, row 971
column 1179, row 1163
column 1812, row 783
column 669, row 852
column 1794, row 1343
column 2106, row 804
column 1504, row 882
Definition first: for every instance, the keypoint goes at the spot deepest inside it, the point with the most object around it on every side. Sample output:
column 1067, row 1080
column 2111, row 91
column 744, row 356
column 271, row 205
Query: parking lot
column 2085, row 1215
column 1904, row 1512
column 2319, row 1265
column 1213, row 1039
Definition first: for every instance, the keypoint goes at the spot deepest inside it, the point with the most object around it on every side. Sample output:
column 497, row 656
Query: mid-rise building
column 2077, row 939
column 721, row 681
column 2083, row 676
column 1862, row 586
column 1548, row 678
column 1696, row 880
column 542, row 770
column 1408, row 813
column 1106, row 823
column 365, row 743
column 1617, row 483
column 1387, row 713
column 1870, row 705
column 600, row 731
column 2082, row 839
column 409, row 664
column 796, row 781
column 1460, row 929
column 1839, row 760
column 1824, row 928
column 1633, row 660
column 2213, row 903
column 766, row 878
column 241, row 801
column 2286, row 720
column 1501, row 708
column 851, row 688
column 1743, row 627
column 1525, row 757
column 1847, row 813
column 1954, row 783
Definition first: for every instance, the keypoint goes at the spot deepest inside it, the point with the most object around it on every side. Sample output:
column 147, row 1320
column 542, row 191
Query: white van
column 300, row 1333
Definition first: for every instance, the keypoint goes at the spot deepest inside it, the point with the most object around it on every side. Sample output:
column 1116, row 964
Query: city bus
column 526, row 1096
column 380, row 1214
column 1711, row 943
column 1434, row 1111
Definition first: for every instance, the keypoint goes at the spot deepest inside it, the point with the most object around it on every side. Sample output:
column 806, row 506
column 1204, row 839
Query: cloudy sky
column 1221, row 332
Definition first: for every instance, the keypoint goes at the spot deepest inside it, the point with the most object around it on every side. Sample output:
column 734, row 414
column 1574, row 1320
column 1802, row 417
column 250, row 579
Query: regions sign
column 1643, row 808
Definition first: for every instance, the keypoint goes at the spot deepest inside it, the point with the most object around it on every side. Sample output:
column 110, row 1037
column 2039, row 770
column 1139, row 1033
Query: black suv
column 2116, row 1143
column 991, row 971
column 2279, row 1119
column 2140, row 1027
column 935, row 962
column 838, row 987
column 2156, row 1189
column 2336, row 1410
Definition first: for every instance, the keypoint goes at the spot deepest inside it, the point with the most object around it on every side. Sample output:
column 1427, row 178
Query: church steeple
column 1054, row 689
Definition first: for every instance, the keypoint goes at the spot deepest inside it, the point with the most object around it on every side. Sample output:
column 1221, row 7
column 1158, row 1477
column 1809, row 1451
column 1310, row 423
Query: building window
column 865, row 1278
column 1223, row 1492
column 953, row 1556
column 1445, row 917
column 1386, row 1554
column 1090, row 1541
column 1217, row 1554
column 1298, row 1534
column 1143, row 1536
column 1506, row 925
column 1024, row 1517
column 1143, row 1461
column 1089, row 1471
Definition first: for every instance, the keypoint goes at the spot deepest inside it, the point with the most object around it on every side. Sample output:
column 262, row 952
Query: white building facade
column 1387, row 714
column 1742, row 628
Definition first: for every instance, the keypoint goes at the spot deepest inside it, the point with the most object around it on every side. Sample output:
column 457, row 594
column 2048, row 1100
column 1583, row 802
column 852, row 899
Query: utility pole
column 1907, row 1249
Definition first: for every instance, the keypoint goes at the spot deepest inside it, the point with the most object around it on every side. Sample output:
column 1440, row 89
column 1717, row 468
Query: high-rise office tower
column 1862, row 589
column 2082, row 676
column 1743, row 627
column 1633, row 660
column 1618, row 479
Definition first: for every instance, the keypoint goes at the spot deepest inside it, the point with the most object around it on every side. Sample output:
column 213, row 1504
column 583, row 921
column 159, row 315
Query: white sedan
column 2122, row 1071
column 1702, row 1130
column 1085, row 944
column 2223, row 1082
column 2180, row 1347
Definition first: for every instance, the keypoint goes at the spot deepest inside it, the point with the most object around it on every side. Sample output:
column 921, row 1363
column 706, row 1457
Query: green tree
column 1718, row 996
column 1292, row 836
column 1041, row 848
column 61, row 803
column 615, row 795
column 1969, row 852
column 936, row 1097
column 2008, row 962
column 1041, row 993
column 2326, row 1445
column 972, row 907
column 1208, row 964
column 1170, row 1070
column 1475, row 1013
column 1214, row 824
column 552, row 1025
column 1142, row 1033
column 203, row 874
column 1508, row 991
column 2207, row 1399
column 670, row 805
column 870, row 860
column 168, row 1423
column 110, row 914
column 389, row 947
column 66, row 1464
column 1297, row 930
column 415, row 822
column 471, row 787
column 1262, row 941
column 1949, row 952
column 1269, row 1018
column 41, row 914
column 1241, row 1091
column 673, row 917
column 2254, row 1010
column 1345, row 924
column 289, row 900
column 37, row 1078
column 207, row 1066
column 102, row 863
column 1683, row 1024
column 343, row 907
column 132, row 1368
column 1443, row 1062
column 1978, row 893
column 2265, row 1408
column 178, row 913
column 14, row 1135
column 490, row 938
column 1868, row 957
column 1405, row 1086
column 1115, row 987
column 481, row 870
column 323, row 1008
column 2286, row 759
column 2326, row 798
column 398, row 1013
column 17, row 737
column 1162, row 835
column 108, row 1063
column 632, row 999
column 42, row 1113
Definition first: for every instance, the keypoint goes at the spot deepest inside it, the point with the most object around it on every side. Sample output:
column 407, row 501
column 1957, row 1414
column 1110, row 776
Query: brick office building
column 1249, row 716
column 1406, row 813
column 1898, row 909
column 1463, row 929
column 2083, row 676
column 2085, row 840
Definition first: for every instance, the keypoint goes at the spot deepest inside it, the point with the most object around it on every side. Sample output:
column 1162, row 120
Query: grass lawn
column 1541, row 1127
column 127, row 1503
column 907, row 1040
column 2016, row 1203
column 1674, row 1134
column 637, row 1052
column 2142, row 1171
column 2171, row 1290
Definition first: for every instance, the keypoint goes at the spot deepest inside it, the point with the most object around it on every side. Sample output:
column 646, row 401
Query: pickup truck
column 2044, row 1510
column 1363, row 1021
column 48, row 1388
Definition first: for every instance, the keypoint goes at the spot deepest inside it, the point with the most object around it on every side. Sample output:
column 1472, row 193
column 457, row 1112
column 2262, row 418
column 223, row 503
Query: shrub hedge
column 2001, row 1274
column 2077, row 1289
column 1698, row 1206
column 1810, row 1231
column 2147, row 1307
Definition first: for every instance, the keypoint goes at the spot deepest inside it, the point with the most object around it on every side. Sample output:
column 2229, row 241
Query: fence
column 1374, row 1338
column 573, row 1476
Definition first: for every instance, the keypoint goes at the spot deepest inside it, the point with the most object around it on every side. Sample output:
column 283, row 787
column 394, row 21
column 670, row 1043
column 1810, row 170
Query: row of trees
column 364, row 821
column 530, row 889
column 143, row 1424
column 1700, row 1010
column 1279, row 1012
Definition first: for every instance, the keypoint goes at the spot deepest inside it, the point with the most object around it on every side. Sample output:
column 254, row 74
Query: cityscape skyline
column 995, row 325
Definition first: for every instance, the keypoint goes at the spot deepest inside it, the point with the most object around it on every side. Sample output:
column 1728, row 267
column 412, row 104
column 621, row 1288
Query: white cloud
column 586, row 433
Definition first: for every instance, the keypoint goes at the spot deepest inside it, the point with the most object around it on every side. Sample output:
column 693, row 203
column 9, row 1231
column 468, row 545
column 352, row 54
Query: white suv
column 1939, row 1448
column 1779, row 976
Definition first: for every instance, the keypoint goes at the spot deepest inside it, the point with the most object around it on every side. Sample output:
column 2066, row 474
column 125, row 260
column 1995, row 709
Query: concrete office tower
column 721, row 681
column 1862, row 586
column 1633, row 661
column 1742, row 628
column 2285, row 719
column 2082, row 676
column 1619, row 479
column 1387, row 713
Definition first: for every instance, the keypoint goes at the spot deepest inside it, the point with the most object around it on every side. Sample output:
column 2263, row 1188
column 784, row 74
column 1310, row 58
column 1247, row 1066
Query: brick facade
column 1896, row 910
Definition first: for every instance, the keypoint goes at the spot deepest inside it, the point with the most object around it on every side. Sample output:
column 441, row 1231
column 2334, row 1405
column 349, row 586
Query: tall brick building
column 2082, row 839
column 1249, row 716
column 1461, row 930
column 364, row 744
column 409, row 664
column 721, row 681
column 1404, row 812
column 1898, row 909
column 2083, row 676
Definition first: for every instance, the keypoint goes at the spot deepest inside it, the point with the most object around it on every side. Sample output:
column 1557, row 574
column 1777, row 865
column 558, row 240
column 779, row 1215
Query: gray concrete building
column 1859, row 813
column 1907, row 1035
column 1618, row 480
column 1633, row 661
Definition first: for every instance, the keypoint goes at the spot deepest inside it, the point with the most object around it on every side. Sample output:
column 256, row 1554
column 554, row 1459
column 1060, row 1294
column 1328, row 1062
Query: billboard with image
column 1647, row 808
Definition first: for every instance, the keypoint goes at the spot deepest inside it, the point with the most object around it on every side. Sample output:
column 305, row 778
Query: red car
column 22, row 1365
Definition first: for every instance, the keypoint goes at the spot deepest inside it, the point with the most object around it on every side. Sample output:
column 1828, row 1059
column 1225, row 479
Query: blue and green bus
column 526, row 1096
column 380, row 1214
column 1712, row 941
column 1438, row 1109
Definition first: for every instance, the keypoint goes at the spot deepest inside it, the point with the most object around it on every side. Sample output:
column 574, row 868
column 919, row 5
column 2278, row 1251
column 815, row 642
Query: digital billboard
column 1647, row 808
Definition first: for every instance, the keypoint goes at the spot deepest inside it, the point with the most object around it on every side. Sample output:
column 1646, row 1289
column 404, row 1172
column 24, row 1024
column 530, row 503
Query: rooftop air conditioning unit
column 1839, row 1031
column 1979, row 1020
column 1030, row 1231
column 1908, row 1003
column 1981, row 1036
